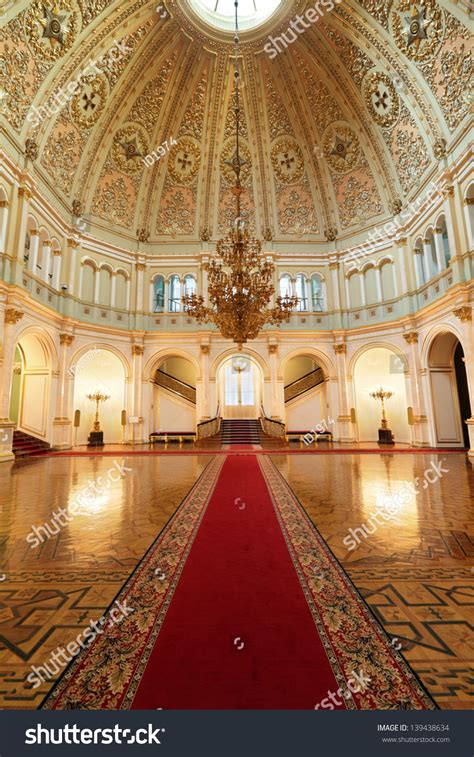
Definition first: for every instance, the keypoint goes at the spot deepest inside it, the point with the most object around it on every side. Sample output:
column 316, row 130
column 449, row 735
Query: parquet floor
column 415, row 572
column 51, row 592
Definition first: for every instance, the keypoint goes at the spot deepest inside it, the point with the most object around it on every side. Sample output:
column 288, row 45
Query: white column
column 395, row 282
column 378, row 284
column 439, row 245
column 418, row 268
column 96, row 286
column 363, row 300
column 336, row 295
column 129, row 290
column 141, row 268
column 72, row 247
column 427, row 259
column 20, row 227
column 469, row 218
column 420, row 427
column 166, row 308
column 401, row 252
column 152, row 296
column 34, row 247
column 348, row 292
column 11, row 318
column 113, row 289
column 81, row 279
column 4, row 224
column 56, row 269
column 46, row 261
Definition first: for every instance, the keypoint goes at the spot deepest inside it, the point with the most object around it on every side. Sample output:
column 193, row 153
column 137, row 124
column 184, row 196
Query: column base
column 7, row 428
column 62, row 433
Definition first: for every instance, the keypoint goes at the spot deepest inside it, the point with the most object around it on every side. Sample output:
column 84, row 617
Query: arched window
column 317, row 293
column 189, row 285
column 174, row 302
column 446, row 248
column 285, row 289
column 301, row 292
column 158, row 294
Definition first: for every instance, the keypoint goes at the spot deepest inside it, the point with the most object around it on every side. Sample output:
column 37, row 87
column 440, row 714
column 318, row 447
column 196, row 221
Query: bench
column 172, row 436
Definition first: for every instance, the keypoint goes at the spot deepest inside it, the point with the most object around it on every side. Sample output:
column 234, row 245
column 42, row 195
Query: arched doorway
column 99, row 369
column 240, row 387
column 450, row 400
column 305, row 394
column 380, row 366
column 174, row 396
column 31, row 387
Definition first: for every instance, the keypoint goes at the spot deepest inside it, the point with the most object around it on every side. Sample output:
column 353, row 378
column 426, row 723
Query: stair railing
column 205, row 429
column 272, row 427
column 304, row 384
column 175, row 385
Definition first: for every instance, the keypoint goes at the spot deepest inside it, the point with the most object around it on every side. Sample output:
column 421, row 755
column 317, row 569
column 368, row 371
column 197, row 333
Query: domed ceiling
column 344, row 117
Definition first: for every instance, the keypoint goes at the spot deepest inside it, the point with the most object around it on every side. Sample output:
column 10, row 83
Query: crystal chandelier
column 240, row 281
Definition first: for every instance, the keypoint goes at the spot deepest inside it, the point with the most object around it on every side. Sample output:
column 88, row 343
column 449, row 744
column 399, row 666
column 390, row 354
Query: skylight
column 221, row 13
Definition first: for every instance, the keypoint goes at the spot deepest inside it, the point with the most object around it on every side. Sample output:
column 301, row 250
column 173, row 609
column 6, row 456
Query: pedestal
column 386, row 436
column 96, row 439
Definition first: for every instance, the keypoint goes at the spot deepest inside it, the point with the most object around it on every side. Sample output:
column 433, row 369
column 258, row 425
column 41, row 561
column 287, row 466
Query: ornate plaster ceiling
column 341, row 125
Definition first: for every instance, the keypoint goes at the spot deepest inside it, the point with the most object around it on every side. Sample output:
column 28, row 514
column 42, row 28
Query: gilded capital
column 24, row 192
column 205, row 349
column 411, row 337
column 140, row 267
column 273, row 349
column 137, row 349
column 463, row 313
column 66, row 339
column 334, row 266
column 340, row 349
column 13, row 316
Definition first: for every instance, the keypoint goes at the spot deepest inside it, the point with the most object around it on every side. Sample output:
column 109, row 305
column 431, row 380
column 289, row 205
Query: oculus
column 221, row 13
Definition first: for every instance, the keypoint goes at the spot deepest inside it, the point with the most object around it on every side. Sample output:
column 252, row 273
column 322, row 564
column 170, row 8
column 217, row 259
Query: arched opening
column 174, row 396
column 99, row 370
column 31, row 387
column 305, row 394
column 450, row 399
column 376, row 367
column 240, row 387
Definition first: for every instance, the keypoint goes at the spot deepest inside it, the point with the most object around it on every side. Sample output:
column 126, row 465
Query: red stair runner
column 239, row 604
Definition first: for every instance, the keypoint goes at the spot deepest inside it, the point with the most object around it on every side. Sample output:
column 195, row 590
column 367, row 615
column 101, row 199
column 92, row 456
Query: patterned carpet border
column 106, row 674
column 353, row 638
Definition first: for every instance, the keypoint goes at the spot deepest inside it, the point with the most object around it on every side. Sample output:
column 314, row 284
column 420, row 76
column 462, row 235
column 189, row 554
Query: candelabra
column 97, row 397
column 382, row 394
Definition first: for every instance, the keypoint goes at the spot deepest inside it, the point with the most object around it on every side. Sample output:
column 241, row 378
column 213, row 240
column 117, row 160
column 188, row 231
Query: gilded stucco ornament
column 341, row 148
column 381, row 99
column 129, row 148
column 287, row 161
column 417, row 27
column 31, row 149
column 184, row 161
column 51, row 27
column 89, row 102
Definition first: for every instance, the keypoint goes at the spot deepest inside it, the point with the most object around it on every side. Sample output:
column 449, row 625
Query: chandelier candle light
column 239, row 280
column 385, row 435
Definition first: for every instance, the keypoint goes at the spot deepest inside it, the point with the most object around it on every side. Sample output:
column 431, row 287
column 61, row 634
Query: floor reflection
column 415, row 571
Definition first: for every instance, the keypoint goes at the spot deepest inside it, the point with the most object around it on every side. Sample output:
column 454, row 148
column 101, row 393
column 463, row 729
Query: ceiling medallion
column 341, row 148
column 184, row 161
column 89, row 101
column 287, row 161
column 52, row 27
column 229, row 158
column 381, row 99
column 240, row 279
column 417, row 28
column 128, row 148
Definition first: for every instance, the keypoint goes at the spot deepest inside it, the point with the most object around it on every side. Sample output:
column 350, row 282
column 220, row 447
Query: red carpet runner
column 240, row 605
